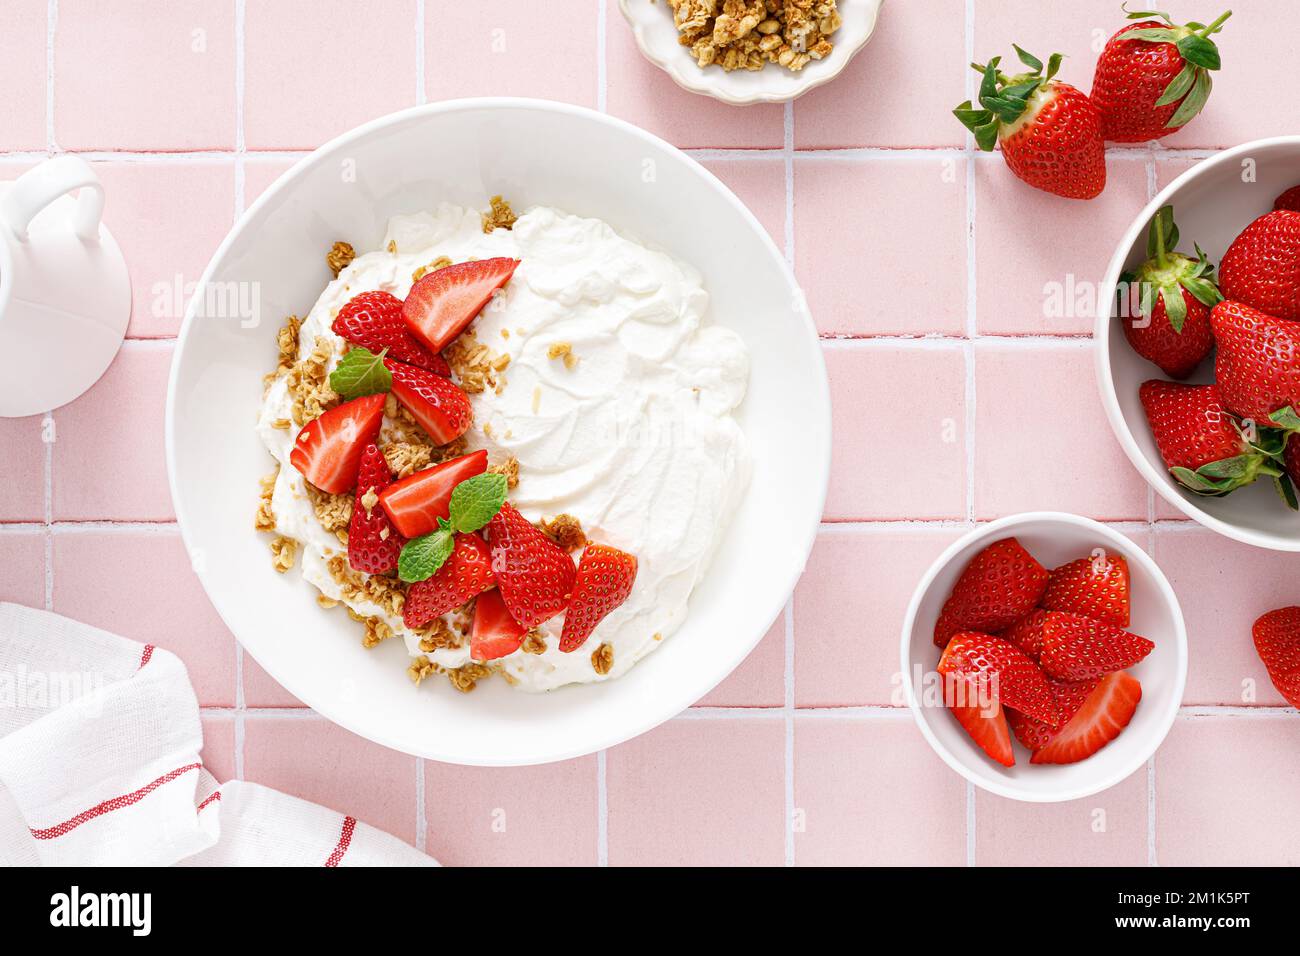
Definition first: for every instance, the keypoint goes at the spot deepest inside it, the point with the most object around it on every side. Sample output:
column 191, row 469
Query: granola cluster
column 499, row 216
column 477, row 367
column 749, row 34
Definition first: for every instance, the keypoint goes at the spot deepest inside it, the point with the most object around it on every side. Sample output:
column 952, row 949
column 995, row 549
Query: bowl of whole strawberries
column 1044, row 656
column 1198, row 343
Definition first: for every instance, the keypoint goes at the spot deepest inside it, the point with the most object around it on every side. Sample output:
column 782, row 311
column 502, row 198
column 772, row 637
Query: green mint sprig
column 361, row 372
column 474, row 502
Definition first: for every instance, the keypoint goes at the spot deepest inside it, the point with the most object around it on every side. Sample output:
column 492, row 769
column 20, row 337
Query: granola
column 500, row 216
column 340, row 257
column 750, row 34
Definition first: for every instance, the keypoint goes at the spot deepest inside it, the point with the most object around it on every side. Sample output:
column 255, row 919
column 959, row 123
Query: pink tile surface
column 167, row 253
column 848, row 613
column 512, row 816
column 875, row 414
column 311, row 758
column 22, row 468
column 139, row 584
column 184, row 100
column 1054, row 291
column 759, row 681
column 1106, row 829
column 1223, row 588
column 1225, row 792
column 512, row 48
column 919, row 114
column 884, row 239
column 314, row 68
column 641, row 93
column 870, row 792
column 22, row 51
column 1043, row 442
column 108, row 448
column 760, row 185
column 22, row 556
column 673, row 794
column 910, row 280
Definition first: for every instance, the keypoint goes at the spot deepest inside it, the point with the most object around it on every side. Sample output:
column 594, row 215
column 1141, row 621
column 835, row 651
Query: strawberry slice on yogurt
column 442, row 303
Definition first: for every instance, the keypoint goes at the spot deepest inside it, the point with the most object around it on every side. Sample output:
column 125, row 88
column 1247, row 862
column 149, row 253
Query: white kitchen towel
column 99, row 765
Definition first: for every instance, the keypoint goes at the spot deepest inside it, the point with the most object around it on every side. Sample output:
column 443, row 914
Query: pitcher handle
column 38, row 187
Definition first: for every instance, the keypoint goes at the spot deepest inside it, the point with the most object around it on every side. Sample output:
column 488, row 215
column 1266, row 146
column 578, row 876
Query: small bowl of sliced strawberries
column 1044, row 656
column 1198, row 335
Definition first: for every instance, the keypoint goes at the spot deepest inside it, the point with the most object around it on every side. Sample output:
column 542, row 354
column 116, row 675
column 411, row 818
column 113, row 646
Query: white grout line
column 51, row 25
column 421, row 823
column 602, row 810
column 1151, row 812
column 421, row 94
column 602, row 57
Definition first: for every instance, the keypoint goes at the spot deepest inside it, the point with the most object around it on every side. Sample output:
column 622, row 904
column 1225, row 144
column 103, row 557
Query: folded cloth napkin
column 99, row 765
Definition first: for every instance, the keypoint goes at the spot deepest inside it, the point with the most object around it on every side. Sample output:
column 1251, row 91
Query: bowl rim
column 1133, row 553
column 705, row 84
column 819, row 466
column 1155, row 478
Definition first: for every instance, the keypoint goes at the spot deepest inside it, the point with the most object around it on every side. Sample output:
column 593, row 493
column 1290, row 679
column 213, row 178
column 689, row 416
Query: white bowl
column 1213, row 201
column 465, row 151
column 656, row 37
column 1053, row 538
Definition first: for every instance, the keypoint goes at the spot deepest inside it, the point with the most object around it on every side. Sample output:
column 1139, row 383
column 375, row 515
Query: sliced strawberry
column 494, row 632
column 1095, row 587
column 1070, row 697
column 439, row 405
column 1000, row 586
column 1027, row 633
column 328, row 450
column 1001, row 671
column 415, row 503
column 373, row 320
column 987, row 726
column 465, row 573
column 1277, row 641
column 1105, row 713
column 444, row 302
column 603, row 582
column 1078, row 648
column 534, row 575
column 373, row 545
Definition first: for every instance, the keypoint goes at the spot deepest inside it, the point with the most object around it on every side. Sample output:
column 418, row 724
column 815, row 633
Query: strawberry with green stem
column 1208, row 450
column 1153, row 77
column 1170, row 295
column 1257, row 365
column 1050, row 132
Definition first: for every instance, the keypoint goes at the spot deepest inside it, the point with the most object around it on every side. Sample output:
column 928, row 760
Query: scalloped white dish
column 657, row 38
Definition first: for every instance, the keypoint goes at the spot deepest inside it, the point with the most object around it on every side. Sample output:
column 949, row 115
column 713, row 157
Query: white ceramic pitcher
column 65, row 296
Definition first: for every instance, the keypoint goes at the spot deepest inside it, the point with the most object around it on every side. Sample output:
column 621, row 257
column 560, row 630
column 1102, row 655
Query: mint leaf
column 361, row 372
column 422, row 557
column 476, row 500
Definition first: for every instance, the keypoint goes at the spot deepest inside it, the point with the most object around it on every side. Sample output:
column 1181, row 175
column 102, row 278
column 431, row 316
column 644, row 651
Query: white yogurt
column 636, row 440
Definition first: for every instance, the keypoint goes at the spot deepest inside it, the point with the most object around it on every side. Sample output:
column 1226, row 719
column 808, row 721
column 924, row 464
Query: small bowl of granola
column 751, row 51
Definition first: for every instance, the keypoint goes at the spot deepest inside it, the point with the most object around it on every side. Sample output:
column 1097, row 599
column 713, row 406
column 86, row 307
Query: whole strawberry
column 1154, row 76
column 1172, row 295
column 1288, row 200
column 373, row 544
column 1050, row 132
column 1277, row 641
column 1262, row 266
column 1206, row 449
column 1257, row 365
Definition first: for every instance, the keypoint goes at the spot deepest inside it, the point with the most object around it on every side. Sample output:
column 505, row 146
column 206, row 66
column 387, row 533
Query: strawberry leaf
column 1193, row 102
column 1200, row 51
column 1028, row 59
column 1178, row 86
column 361, row 372
column 1287, row 490
column 1175, row 307
column 1205, row 291
column 1286, row 418
column 1151, row 35
column 421, row 557
column 475, row 501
